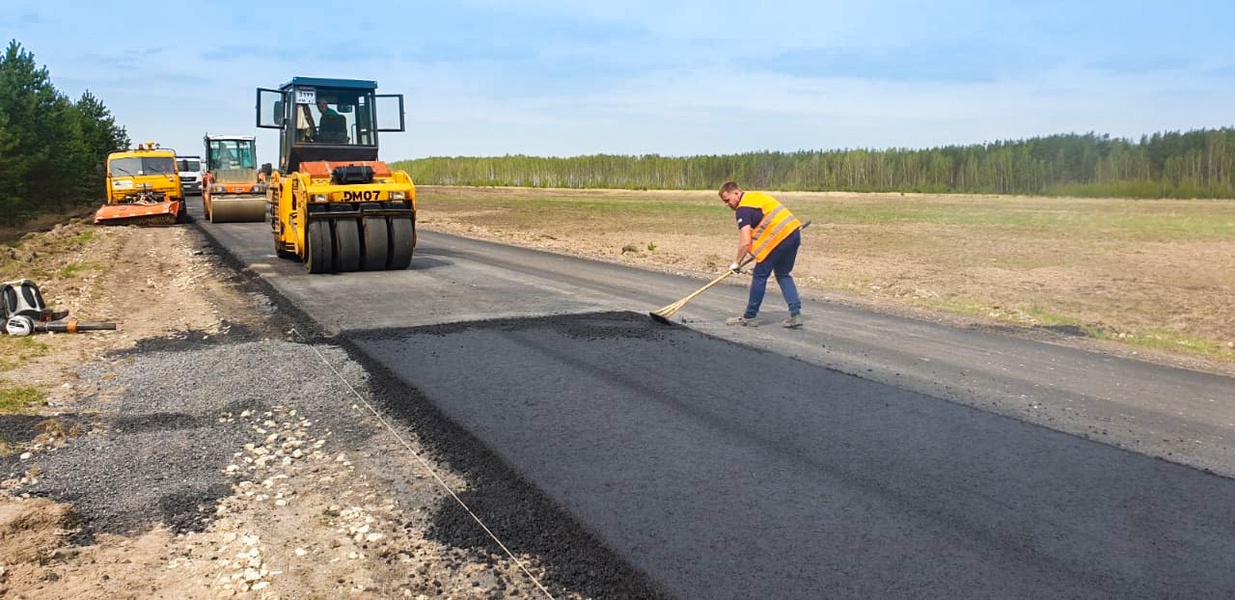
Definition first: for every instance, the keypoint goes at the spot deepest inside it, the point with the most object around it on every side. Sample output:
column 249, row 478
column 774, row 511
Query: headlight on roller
column 398, row 195
column 218, row 189
column 319, row 198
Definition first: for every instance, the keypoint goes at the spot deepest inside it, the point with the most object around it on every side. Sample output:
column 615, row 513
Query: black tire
column 319, row 256
column 346, row 245
column 402, row 241
column 375, row 240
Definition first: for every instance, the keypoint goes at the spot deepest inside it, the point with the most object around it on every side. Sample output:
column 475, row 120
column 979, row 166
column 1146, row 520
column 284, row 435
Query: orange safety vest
column 777, row 224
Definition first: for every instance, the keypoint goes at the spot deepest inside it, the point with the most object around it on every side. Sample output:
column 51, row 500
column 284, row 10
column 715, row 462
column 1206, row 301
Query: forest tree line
column 50, row 146
column 1194, row 164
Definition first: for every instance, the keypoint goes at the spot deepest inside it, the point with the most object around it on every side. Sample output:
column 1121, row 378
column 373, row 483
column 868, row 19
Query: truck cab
column 190, row 169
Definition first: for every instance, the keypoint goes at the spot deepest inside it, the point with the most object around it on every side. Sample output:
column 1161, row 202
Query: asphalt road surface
column 863, row 455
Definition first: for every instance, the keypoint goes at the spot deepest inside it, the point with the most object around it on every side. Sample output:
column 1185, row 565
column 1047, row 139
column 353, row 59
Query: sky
column 666, row 77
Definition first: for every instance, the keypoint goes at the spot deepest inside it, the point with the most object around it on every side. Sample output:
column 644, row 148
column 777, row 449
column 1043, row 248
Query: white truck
column 190, row 168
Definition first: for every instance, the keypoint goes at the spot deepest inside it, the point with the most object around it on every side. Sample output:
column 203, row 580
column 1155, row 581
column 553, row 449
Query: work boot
column 793, row 322
column 743, row 321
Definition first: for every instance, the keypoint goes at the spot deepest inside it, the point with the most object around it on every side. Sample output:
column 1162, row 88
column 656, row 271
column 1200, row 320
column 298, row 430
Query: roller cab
column 334, row 205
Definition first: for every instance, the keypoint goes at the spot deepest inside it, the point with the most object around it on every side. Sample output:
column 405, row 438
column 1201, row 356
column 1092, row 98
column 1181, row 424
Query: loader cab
column 328, row 119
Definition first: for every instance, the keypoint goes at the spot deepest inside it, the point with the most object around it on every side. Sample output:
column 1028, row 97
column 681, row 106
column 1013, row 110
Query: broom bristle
column 659, row 318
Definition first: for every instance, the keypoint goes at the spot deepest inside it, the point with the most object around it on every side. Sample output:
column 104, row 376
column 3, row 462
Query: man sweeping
column 770, row 233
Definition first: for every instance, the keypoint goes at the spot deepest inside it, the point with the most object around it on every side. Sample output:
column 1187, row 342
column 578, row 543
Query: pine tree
column 50, row 147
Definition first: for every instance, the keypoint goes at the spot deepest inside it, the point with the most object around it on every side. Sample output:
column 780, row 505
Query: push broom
column 663, row 315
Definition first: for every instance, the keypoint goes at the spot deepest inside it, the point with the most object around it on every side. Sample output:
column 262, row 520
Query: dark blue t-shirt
column 749, row 215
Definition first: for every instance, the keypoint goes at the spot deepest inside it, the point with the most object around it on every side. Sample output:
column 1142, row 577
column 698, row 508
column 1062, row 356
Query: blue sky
column 676, row 78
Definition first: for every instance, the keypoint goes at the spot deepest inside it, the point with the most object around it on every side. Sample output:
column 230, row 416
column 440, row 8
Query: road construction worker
column 772, row 235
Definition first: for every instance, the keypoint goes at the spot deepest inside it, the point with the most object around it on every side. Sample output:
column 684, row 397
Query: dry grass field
column 1149, row 274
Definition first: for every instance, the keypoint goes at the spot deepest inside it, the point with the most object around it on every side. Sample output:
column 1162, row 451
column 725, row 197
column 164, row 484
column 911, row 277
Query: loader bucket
column 154, row 213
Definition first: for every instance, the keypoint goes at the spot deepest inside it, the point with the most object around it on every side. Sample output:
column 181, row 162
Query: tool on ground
column 24, row 312
column 663, row 315
column 21, row 325
column 74, row 326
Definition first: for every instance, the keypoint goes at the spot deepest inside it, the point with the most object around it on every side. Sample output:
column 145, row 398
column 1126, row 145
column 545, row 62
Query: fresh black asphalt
column 874, row 457
column 728, row 472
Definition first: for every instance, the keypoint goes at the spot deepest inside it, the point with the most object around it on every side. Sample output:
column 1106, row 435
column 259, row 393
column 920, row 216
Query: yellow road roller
column 233, row 190
column 334, row 205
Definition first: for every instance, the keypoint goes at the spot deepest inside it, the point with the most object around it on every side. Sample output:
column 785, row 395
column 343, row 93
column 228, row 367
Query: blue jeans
column 780, row 262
